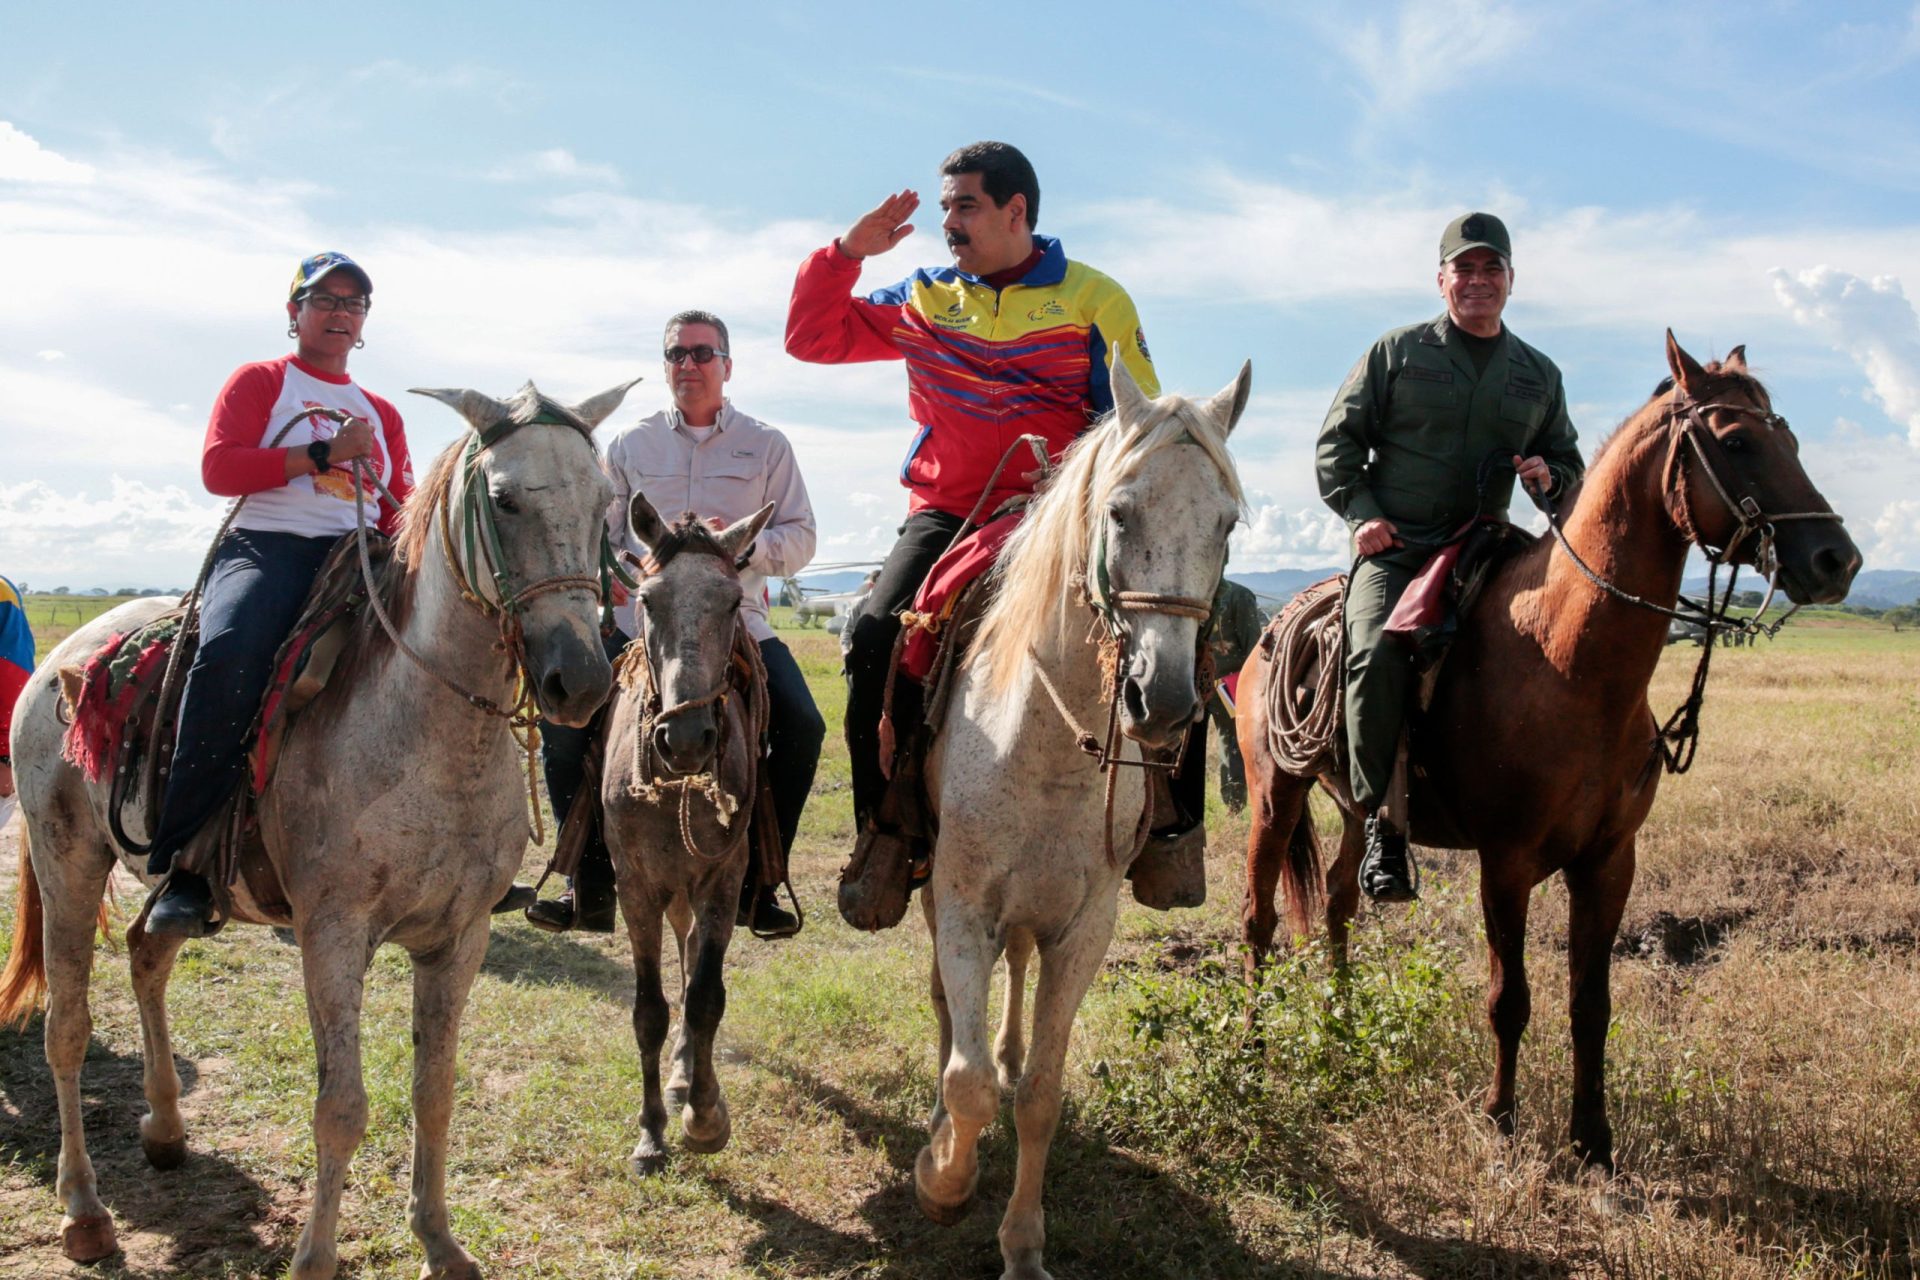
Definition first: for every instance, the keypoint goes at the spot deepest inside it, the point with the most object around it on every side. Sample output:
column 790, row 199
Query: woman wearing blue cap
column 299, row 500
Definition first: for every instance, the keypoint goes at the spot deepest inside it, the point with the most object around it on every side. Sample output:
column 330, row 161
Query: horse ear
column 1228, row 405
column 1736, row 361
column 738, row 537
column 645, row 521
column 1130, row 404
column 1688, row 376
column 594, row 410
column 480, row 411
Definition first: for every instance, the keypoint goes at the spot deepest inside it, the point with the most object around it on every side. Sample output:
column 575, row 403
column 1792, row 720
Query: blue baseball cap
column 311, row 270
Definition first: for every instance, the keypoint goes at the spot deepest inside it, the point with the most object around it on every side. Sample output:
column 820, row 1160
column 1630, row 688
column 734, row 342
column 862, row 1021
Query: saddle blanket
column 956, row 569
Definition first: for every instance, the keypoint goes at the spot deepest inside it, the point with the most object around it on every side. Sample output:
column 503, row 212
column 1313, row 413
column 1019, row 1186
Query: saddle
column 1304, row 648
column 123, row 709
column 935, row 636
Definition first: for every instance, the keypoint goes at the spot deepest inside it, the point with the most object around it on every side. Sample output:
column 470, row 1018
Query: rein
column 744, row 669
column 1679, row 737
column 481, row 537
column 1110, row 637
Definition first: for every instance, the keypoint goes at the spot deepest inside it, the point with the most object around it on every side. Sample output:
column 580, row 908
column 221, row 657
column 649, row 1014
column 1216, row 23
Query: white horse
column 398, row 811
column 1036, row 833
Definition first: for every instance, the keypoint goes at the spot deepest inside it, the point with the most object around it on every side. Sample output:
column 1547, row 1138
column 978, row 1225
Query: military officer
column 1398, row 458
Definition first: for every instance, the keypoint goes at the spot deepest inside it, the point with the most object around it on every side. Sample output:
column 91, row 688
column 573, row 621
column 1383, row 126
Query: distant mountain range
column 1874, row 588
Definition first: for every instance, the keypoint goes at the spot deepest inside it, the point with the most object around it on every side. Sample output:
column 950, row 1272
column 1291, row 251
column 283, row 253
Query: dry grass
column 1763, row 1070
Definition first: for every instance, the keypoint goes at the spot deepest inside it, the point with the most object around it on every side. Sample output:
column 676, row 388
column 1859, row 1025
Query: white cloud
column 87, row 539
column 49, row 356
column 1278, row 536
column 24, row 160
column 1871, row 321
column 1428, row 48
column 555, row 162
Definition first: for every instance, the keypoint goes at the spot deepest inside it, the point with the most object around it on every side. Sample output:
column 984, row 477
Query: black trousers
column 870, row 652
column 923, row 538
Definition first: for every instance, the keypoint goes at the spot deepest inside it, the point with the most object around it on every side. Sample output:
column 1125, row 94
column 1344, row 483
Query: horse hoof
column 88, row 1239
column 942, row 1212
column 709, row 1142
column 462, row 1268
column 650, row 1165
column 164, row 1154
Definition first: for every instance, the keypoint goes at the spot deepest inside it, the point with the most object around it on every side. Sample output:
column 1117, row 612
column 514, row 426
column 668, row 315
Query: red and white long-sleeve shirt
column 256, row 402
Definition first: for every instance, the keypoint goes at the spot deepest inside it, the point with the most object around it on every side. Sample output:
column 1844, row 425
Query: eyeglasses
column 702, row 354
column 355, row 305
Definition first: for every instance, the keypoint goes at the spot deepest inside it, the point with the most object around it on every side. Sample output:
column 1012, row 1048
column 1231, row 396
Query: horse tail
column 1300, row 884
column 24, row 981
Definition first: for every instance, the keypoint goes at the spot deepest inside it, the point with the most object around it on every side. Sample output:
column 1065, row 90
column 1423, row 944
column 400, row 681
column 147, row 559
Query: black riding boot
column 1386, row 868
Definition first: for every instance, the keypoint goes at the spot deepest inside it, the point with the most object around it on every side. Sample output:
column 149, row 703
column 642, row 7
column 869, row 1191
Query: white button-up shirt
column 742, row 465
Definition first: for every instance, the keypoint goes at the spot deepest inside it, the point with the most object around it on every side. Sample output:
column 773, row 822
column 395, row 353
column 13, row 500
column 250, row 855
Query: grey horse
column 398, row 812
column 1036, row 834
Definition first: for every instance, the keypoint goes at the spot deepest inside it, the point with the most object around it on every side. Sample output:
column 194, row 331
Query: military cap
column 1475, row 231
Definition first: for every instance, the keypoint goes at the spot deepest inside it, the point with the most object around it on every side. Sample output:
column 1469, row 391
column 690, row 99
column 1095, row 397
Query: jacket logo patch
column 954, row 317
column 1525, row 388
column 1052, row 307
column 1419, row 373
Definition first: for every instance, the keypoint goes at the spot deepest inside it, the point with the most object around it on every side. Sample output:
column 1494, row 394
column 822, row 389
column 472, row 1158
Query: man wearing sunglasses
column 705, row 456
column 1013, row 339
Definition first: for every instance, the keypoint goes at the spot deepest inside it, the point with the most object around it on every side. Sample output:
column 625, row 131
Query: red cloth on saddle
column 1423, row 605
column 962, row 563
column 108, row 689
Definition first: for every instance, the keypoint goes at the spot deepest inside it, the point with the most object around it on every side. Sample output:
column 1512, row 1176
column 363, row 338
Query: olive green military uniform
column 1237, row 623
column 1404, row 441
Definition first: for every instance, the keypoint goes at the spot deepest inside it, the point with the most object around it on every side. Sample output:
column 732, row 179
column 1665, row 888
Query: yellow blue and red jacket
column 984, row 366
column 16, row 655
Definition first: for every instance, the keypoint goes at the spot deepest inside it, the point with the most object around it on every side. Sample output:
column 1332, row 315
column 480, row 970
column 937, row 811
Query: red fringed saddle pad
column 111, row 687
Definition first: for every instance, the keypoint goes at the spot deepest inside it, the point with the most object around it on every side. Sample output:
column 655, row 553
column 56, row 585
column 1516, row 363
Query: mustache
column 955, row 239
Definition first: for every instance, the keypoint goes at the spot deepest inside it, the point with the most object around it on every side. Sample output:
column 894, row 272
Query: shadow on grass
column 209, row 1212
column 1108, row 1213
column 527, row 956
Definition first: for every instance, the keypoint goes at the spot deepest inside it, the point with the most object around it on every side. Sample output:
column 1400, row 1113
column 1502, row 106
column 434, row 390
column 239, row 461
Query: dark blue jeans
column 793, row 746
column 251, row 601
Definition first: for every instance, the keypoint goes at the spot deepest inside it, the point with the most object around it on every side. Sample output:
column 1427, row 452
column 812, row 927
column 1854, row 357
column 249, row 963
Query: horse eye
column 1119, row 520
column 1736, row 442
column 506, row 504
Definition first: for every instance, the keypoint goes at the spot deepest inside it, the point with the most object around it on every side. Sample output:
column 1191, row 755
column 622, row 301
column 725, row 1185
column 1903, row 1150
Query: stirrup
column 1389, row 873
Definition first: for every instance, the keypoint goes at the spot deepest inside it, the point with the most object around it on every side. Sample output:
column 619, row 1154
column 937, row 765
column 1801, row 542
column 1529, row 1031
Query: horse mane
column 1722, row 379
column 1045, row 560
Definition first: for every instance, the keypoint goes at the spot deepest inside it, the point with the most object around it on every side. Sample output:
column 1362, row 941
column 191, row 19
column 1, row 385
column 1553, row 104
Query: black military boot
column 1386, row 868
column 184, row 908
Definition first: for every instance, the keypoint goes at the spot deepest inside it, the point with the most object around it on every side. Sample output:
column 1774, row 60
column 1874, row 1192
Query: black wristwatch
column 320, row 451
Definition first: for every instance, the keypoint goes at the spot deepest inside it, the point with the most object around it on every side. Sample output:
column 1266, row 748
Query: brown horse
column 1539, row 748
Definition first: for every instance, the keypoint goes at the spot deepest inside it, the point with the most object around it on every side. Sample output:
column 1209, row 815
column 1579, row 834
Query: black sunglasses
column 702, row 354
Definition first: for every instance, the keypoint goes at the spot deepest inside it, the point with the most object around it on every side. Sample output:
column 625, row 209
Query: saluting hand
column 883, row 228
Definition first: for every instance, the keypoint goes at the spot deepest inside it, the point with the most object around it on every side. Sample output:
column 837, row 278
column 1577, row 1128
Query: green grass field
column 1765, row 1056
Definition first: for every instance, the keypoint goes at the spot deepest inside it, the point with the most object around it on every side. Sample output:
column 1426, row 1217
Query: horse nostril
column 1135, row 700
column 661, row 742
column 554, row 689
column 1832, row 565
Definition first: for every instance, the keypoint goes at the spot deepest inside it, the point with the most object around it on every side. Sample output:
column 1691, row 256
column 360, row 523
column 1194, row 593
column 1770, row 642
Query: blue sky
column 534, row 190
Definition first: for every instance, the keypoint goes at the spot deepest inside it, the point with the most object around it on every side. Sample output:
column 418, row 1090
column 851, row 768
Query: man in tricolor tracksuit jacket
column 1013, row 339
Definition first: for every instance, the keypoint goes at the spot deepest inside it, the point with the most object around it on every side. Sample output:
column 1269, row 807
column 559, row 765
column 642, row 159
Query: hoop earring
column 292, row 332
column 361, row 343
